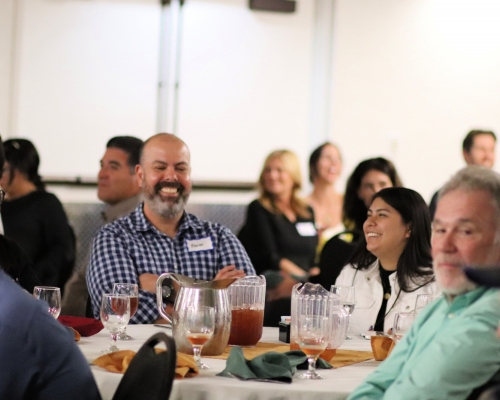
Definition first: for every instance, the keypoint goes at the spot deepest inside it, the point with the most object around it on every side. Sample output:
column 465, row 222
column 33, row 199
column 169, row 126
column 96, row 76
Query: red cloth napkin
column 84, row 326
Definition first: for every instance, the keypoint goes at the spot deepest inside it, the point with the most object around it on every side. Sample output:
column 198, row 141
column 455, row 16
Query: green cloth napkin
column 272, row 365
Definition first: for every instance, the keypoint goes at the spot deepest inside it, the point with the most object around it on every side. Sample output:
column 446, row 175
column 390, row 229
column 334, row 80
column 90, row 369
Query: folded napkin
column 275, row 366
column 75, row 333
column 118, row 362
column 84, row 326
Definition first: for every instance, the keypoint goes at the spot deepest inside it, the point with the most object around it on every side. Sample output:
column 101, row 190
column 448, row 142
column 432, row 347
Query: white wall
column 409, row 79
column 6, row 47
column 87, row 70
column 244, row 85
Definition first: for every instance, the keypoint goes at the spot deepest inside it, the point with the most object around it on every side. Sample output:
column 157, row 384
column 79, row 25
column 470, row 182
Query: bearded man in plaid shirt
column 159, row 236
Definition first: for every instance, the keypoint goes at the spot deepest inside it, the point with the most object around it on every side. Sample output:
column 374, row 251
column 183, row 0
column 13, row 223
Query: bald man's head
column 166, row 140
column 165, row 175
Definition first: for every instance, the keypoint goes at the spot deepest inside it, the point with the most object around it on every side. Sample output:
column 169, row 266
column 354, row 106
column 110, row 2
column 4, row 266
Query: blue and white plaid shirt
column 132, row 246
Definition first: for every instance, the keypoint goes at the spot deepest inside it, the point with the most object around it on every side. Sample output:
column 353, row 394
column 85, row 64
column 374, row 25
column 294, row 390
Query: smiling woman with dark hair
column 33, row 218
column 368, row 178
column 392, row 262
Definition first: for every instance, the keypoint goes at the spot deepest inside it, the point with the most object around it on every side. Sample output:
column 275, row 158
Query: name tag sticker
column 306, row 229
column 200, row 244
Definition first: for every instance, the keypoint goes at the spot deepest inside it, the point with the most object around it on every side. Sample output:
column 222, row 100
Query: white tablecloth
column 206, row 386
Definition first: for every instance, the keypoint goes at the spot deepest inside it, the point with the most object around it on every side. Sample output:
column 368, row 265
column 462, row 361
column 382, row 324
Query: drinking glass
column 132, row 291
column 422, row 301
column 347, row 298
column 313, row 335
column 52, row 296
column 402, row 324
column 199, row 325
column 115, row 314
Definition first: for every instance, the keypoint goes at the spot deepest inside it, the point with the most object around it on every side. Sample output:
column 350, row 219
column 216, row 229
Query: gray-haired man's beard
column 467, row 286
column 168, row 208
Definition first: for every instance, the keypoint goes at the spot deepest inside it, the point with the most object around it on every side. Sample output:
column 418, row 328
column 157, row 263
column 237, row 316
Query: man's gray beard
column 166, row 209
column 467, row 286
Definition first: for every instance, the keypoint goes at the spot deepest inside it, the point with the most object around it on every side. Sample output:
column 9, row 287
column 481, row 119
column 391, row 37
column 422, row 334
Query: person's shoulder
column 348, row 271
column 199, row 224
column 488, row 299
column 118, row 230
column 256, row 205
column 13, row 298
column 257, row 209
column 42, row 195
column 126, row 224
column 425, row 283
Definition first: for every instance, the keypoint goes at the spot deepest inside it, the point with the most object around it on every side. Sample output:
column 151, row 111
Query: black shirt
column 269, row 237
column 386, row 285
column 38, row 224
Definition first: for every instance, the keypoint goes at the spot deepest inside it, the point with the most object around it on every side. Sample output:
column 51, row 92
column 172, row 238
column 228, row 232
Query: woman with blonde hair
column 279, row 232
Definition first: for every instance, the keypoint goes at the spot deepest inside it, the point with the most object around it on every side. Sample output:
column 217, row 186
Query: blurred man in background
column 478, row 148
column 118, row 188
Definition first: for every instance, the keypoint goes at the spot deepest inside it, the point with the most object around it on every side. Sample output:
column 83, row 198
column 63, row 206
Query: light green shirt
column 450, row 350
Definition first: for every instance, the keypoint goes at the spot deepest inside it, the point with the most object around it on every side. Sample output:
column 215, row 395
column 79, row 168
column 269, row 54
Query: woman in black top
column 279, row 232
column 33, row 218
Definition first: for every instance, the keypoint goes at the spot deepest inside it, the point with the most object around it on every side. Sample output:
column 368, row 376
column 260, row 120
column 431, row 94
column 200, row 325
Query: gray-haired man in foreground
column 451, row 348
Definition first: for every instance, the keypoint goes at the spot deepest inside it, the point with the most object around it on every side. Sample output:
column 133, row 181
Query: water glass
column 132, row 291
column 402, row 324
column 423, row 300
column 52, row 296
column 199, row 325
column 347, row 298
column 115, row 314
column 314, row 335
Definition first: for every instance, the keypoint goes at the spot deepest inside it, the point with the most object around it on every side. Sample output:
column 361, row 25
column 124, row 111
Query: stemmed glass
column 347, row 298
column 52, row 296
column 132, row 291
column 115, row 314
column 422, row 301
column 313, row 335
column 199, row 324
column 402, row 324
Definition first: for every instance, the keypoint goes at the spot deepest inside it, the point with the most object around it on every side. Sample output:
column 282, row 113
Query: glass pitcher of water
column 313, row 299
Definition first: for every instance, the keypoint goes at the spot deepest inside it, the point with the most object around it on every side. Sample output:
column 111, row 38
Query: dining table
column 338, row 382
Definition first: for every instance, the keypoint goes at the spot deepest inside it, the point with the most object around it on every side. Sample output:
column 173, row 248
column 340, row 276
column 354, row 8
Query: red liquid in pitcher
column 246, row 327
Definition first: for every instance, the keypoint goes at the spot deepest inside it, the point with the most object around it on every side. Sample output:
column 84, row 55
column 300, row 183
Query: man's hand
column 229, row 272
column 147, row 282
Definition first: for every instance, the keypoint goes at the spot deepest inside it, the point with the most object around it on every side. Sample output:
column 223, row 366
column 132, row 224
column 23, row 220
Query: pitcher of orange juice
column 313, row 299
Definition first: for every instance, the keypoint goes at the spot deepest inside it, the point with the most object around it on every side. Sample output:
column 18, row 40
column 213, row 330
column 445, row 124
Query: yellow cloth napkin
column 119, row 361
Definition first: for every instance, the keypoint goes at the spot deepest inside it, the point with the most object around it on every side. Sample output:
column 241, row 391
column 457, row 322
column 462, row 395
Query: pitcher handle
column 159, row 296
